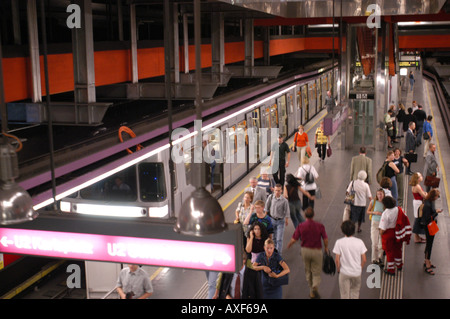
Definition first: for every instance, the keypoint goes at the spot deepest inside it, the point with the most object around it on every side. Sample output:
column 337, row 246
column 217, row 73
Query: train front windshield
column 124, row 185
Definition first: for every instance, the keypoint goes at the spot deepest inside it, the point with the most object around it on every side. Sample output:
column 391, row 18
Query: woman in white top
column 362, row 193
column 309, row 176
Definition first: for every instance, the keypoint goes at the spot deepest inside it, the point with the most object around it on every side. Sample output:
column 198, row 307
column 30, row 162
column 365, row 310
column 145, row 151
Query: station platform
column 411, row 283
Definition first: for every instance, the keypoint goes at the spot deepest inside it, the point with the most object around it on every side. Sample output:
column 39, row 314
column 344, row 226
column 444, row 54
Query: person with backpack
column 309, row 175
column 291, row 192
column 350, row 259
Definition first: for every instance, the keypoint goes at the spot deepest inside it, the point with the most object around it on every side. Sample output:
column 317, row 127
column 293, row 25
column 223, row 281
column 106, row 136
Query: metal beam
column 33, row 42
column 83, row 56
column 133, row 42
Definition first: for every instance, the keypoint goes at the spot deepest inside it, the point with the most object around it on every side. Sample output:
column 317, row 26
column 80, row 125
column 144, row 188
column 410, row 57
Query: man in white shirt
column 350, row 259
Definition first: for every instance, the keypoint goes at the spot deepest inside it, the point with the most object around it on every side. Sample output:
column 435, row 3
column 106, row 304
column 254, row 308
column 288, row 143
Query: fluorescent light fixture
column 317, row 26
column 109, row 210
column 158, row 212
column 403, row 71
column 64, row 206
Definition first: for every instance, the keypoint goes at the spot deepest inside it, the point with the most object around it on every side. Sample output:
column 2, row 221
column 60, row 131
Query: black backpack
column 309, row 177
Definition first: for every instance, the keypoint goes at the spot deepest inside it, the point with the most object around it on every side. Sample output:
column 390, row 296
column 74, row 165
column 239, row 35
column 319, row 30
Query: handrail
column 109, row 293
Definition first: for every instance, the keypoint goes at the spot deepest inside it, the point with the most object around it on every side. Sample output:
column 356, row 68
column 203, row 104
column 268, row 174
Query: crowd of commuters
column 272, row 199
column 264, row 227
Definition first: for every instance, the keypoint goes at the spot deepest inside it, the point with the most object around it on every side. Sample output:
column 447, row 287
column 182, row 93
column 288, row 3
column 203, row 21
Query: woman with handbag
column 418, row 194
column 375, row 211
column 301, row 142
column 275, row 271
column 362, row 192
column 429, row 217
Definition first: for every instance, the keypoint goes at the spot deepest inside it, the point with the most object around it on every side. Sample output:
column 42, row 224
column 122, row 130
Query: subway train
column 141, row 187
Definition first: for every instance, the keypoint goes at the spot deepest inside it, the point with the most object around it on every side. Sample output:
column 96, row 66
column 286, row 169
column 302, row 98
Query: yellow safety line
column 447, row 194
column 15, row 291
column 156, row 273
column 242, row 191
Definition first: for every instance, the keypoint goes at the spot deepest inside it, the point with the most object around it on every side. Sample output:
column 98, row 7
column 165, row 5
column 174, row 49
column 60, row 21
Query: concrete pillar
column 83, row 55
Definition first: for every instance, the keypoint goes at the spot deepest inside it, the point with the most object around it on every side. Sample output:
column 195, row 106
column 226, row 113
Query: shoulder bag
column 432, row 227
column 350, row 196
column 432, row 181
column 294, row 147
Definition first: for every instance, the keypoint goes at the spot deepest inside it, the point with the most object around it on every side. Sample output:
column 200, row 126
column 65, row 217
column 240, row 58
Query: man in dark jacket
column 245, row 284
column 410, row 145
column 420, row 116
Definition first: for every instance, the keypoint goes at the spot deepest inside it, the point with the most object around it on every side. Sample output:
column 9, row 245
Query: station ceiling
column 350, row 8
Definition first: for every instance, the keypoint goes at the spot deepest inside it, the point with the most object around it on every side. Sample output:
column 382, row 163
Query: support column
column 33, row 42
column 83, row 56
column 266, row 45
column 15, row 11
column 175, row 53
column 133, row 42
column 249, row 40
column 380, row 87
column 120, row 19
column 217, row 44
column 186, row 42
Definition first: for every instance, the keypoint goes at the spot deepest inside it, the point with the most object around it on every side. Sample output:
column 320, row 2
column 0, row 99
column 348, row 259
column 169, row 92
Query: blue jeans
column 278, row 233
column 394, row 189
column 211, row 276
column 295, row 209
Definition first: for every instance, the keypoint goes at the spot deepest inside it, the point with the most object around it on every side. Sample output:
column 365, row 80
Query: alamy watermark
column 227, row 146
column 74, row 279
column 74, row 19
column 373, row 20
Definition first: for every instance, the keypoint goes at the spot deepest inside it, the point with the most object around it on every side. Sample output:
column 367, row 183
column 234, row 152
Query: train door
column 240, row 164
column 298, row 106
column 319, row 94
column 226, row 168
column 214, row 165
column 264, row 136
column 291, row 113
column 305, row 103
column 283, row 116
column 253, row 135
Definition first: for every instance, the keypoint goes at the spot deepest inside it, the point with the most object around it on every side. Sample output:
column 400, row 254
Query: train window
column 299, row 99
column 152, row 183
column 188, row 155
column 119, row 187
column 291, row 103
column 242, row 133
column 232, row 140
column 213, row 140
column 255, row 119
column 274, row 116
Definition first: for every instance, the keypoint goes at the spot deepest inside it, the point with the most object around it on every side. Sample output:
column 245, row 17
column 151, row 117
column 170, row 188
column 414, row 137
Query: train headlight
column 158, row 212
